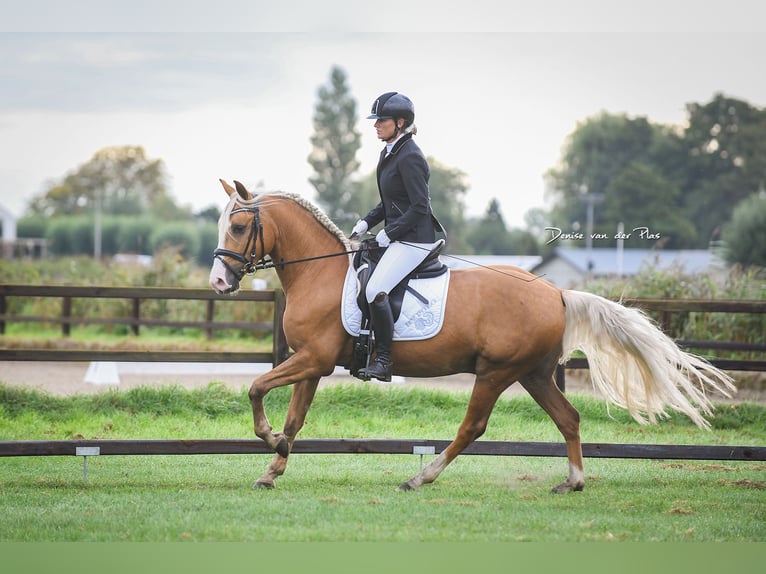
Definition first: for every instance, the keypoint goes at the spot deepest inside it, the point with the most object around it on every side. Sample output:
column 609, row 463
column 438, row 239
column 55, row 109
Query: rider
column 409, row 231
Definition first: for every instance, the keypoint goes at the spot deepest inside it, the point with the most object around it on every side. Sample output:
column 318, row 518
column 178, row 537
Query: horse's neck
column 301, row 236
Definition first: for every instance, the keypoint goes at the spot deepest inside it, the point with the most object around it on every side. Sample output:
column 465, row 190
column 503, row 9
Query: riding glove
column 359, row 228
column 382, row 238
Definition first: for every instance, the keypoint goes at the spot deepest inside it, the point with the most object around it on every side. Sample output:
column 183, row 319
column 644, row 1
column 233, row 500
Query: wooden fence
column 280, row 352
column 137, row 295
column 375, row 446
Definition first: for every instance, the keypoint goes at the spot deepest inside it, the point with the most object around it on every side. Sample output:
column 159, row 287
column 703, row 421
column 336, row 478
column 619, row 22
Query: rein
column 250, row 265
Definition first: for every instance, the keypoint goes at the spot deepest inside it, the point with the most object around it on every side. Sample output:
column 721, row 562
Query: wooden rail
column 379, row 446
column 280, row 351
column 66, row 293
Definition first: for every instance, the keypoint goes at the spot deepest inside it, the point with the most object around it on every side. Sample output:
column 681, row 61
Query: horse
column 501, row 324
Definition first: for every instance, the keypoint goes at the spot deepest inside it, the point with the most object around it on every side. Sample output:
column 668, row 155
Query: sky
column 228, row 89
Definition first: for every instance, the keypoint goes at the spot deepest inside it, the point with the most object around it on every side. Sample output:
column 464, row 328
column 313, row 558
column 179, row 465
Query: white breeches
column 395, row 264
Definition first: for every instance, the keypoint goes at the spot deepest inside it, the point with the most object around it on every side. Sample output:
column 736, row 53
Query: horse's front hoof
column 405, row 487
column 263, row 485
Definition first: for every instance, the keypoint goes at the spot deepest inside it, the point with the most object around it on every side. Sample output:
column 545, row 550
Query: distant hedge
column 74, row 235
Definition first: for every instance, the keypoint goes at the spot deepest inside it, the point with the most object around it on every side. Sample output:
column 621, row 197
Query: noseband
column 247, row 257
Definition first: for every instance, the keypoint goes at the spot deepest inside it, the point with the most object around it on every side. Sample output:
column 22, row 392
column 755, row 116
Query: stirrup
column 377, row 370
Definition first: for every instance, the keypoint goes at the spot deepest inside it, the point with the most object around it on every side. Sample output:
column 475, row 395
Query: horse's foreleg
column 297, row 368
column 483, row 398
column 567, row 419
column 303, row 395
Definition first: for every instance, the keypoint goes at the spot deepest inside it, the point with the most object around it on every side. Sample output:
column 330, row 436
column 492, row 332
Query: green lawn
column 352, row 497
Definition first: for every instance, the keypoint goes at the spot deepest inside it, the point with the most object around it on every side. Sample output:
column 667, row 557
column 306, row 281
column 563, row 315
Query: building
column 568, row 267
column 11, row 245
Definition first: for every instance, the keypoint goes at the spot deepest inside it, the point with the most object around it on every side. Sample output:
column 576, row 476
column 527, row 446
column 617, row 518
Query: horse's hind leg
column 486, row 391
column 303, row 395
column 541, row 386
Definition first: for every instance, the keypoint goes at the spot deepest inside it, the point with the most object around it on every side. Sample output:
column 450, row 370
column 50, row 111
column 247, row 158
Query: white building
column 567, row 267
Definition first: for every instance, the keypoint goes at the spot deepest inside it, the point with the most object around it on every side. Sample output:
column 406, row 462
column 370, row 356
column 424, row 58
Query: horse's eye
column 238, row 229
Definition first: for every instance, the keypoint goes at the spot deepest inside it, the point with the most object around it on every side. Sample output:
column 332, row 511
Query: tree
column 123, row 179
column 448, row 187
column 744, row 235
column 488, row 235
column 335, row 143
column 594, row 154
column 641, row 197
column 726, row 150
column 706, row 167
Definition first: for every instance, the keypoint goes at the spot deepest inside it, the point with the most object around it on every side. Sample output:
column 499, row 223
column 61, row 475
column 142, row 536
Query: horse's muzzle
column 222, row 279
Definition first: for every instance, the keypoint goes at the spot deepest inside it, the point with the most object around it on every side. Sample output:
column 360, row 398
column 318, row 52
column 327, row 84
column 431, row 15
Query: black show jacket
column 405, row 204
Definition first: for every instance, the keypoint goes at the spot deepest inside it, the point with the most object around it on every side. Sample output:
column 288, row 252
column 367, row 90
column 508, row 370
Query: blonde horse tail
column 635, row 365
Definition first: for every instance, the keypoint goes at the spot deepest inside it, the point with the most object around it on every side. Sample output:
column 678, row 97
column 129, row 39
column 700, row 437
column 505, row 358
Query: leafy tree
column 641, row 197
column 177, row 235
column 489, row 235
column 448, row 187
column 744, row 235
column 335, row 143
column 594, row 154
column 522, row 242
column 123, row 179
column 210, row 213
column 718, row 159
column 726, row 150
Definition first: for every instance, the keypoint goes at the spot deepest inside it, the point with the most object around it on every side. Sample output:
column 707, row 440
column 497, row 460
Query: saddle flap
column 367, row 258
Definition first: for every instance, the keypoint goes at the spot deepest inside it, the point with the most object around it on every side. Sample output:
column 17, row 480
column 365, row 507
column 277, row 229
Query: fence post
column 561, row 377
column 209, row 319
column 280, row 349
column 136, row 315
column 3, row 309
column 66, row 316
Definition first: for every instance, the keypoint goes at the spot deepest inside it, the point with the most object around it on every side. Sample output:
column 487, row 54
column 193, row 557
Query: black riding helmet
column 393, row 105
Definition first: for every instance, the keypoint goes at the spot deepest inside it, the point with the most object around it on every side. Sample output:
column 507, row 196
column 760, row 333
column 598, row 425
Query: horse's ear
column 229, row 189
column 242, row 190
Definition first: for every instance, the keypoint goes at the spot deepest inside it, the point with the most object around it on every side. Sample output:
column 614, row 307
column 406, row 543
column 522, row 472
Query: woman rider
column 409, row 231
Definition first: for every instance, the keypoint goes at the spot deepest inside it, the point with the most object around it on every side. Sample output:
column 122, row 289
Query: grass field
column 352, row 497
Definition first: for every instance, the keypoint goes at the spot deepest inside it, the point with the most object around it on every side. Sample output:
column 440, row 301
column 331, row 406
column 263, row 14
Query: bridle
column 248, row 254
column 247, row 257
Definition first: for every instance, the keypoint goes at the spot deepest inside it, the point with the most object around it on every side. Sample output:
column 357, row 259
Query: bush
column 744, row 235
column 208, row 242
column 183, row 236
column 134, row 234
column 33, row 226
column 70, row 236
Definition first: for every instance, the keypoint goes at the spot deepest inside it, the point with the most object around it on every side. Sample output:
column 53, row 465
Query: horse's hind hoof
column 405, row 487
column 283, row 448
column 567, row 487
column 263, row 485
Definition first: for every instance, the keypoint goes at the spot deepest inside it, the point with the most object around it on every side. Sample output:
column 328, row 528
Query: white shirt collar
column 390, row 146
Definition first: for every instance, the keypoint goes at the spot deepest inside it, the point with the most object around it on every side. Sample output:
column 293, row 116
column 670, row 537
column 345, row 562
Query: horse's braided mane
column 318, row 214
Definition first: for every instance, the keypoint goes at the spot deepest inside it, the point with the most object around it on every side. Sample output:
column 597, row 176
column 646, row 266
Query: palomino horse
column 503, row 327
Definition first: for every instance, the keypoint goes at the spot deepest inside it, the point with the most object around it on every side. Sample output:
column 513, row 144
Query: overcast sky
column 496, row 91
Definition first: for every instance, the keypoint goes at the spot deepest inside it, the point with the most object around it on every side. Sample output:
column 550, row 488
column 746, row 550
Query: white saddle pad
column 417, row 320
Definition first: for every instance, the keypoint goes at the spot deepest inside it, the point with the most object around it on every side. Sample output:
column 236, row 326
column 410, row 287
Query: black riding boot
column 383, row 327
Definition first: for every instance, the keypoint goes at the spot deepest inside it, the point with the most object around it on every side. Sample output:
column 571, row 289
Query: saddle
column 364, row 263
column 366, row 260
